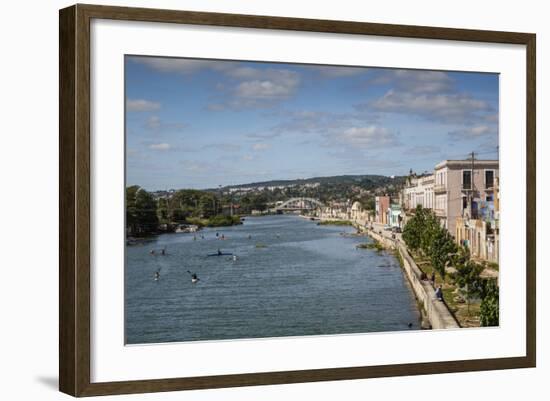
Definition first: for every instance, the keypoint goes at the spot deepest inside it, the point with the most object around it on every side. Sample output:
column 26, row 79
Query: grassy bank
column 335, row 223
column 371, row 245
column 215, row 221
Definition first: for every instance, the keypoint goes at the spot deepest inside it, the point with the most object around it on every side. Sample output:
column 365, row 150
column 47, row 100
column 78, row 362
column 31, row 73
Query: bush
column 489, row 315
column 223, row 221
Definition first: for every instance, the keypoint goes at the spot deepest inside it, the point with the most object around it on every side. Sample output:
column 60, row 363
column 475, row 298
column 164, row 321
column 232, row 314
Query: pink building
column 460, row 187
column 382, row 204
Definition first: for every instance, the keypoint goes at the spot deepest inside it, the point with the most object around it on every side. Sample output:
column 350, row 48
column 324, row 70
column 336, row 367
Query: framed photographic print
column 250, row 200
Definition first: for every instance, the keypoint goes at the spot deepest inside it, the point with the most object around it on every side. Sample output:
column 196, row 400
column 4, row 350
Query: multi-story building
column 482, row 234
column 382, row 204
column 463, row 189
column 419, row 191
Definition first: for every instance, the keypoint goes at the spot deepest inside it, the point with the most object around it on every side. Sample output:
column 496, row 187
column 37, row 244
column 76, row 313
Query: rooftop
column 466, row 163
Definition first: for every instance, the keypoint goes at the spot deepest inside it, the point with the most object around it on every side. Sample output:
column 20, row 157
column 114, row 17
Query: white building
column 419, row 191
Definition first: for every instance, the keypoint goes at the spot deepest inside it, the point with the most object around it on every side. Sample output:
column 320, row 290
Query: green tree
column 489, row 310
column 441, row 250
column 162, row 210
column 146, row 211
column 429, row 231
column 141, row 211
column 467, row 275
column 131, row 212
column 412, row 233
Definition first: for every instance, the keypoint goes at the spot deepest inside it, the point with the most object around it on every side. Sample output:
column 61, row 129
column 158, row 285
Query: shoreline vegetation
column 376, row 245
column 147, row 216
column 335, row 223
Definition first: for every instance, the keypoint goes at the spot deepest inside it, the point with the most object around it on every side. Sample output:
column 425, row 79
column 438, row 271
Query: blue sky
column 194, row 123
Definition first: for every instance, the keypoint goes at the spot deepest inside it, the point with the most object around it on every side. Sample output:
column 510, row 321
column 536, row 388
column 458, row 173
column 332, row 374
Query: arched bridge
column 300, row 204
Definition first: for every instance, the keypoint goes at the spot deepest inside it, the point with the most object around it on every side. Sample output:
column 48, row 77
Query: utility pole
column 471, row 190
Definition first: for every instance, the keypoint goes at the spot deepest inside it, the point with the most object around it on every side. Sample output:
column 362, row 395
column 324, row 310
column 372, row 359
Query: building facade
column 419, row 191
column 464, row 189
column 382, row 204
column 394, row 217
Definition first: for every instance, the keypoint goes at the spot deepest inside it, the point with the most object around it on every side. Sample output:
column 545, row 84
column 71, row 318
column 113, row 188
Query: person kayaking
column 249, row 236
column 194, row 277
column 217, row 234
column 163, row 251
column 219, row 251
column 152, row 251
column 234, row 258
column 157, row 275
column 223, row 236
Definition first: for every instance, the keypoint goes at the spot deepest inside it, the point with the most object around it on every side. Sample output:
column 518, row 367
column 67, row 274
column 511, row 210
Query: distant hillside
column 367, row 180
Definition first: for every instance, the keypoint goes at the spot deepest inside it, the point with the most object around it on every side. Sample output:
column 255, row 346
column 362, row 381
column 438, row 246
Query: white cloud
column 416, row 81
column 265, row 89
column 457, row 107
column 141, row 105
column 249, row 87
column 160, row 146
column 260, row 89
column 473, row 132
column 260, row 146
column 155, row 123
column 367, row 137
column 179, row 65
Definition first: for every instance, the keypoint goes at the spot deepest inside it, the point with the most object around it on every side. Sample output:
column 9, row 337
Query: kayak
column 220, row 254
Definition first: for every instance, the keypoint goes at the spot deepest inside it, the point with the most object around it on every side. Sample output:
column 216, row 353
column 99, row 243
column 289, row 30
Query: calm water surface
column 307, row 280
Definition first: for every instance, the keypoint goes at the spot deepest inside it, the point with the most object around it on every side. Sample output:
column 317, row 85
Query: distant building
column 419, row 191
column 356, row 211
column 394, row 217
column 382, row 203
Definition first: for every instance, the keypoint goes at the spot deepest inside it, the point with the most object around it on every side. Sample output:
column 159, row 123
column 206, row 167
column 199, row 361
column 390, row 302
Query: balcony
column 439, row 188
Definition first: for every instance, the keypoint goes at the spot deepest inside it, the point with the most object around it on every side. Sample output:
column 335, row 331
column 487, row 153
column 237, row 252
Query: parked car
column 396, row 230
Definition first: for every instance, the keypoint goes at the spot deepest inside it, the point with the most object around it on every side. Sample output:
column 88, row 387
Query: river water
column 292, row 278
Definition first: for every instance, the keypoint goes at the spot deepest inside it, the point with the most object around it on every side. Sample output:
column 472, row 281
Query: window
column 489, row 178
column 466, row 179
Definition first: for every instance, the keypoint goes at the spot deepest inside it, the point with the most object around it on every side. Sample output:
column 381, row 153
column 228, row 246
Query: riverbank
column 215, row 221
column 436, row 314
column 335, row 223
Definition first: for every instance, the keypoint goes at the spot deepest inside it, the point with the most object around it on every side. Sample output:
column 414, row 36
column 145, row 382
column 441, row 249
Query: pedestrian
column 439, row 293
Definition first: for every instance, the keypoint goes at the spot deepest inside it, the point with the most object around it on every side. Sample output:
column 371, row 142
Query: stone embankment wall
column 437, row 312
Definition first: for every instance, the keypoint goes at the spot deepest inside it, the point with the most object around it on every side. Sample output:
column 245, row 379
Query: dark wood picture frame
column 74, row 203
